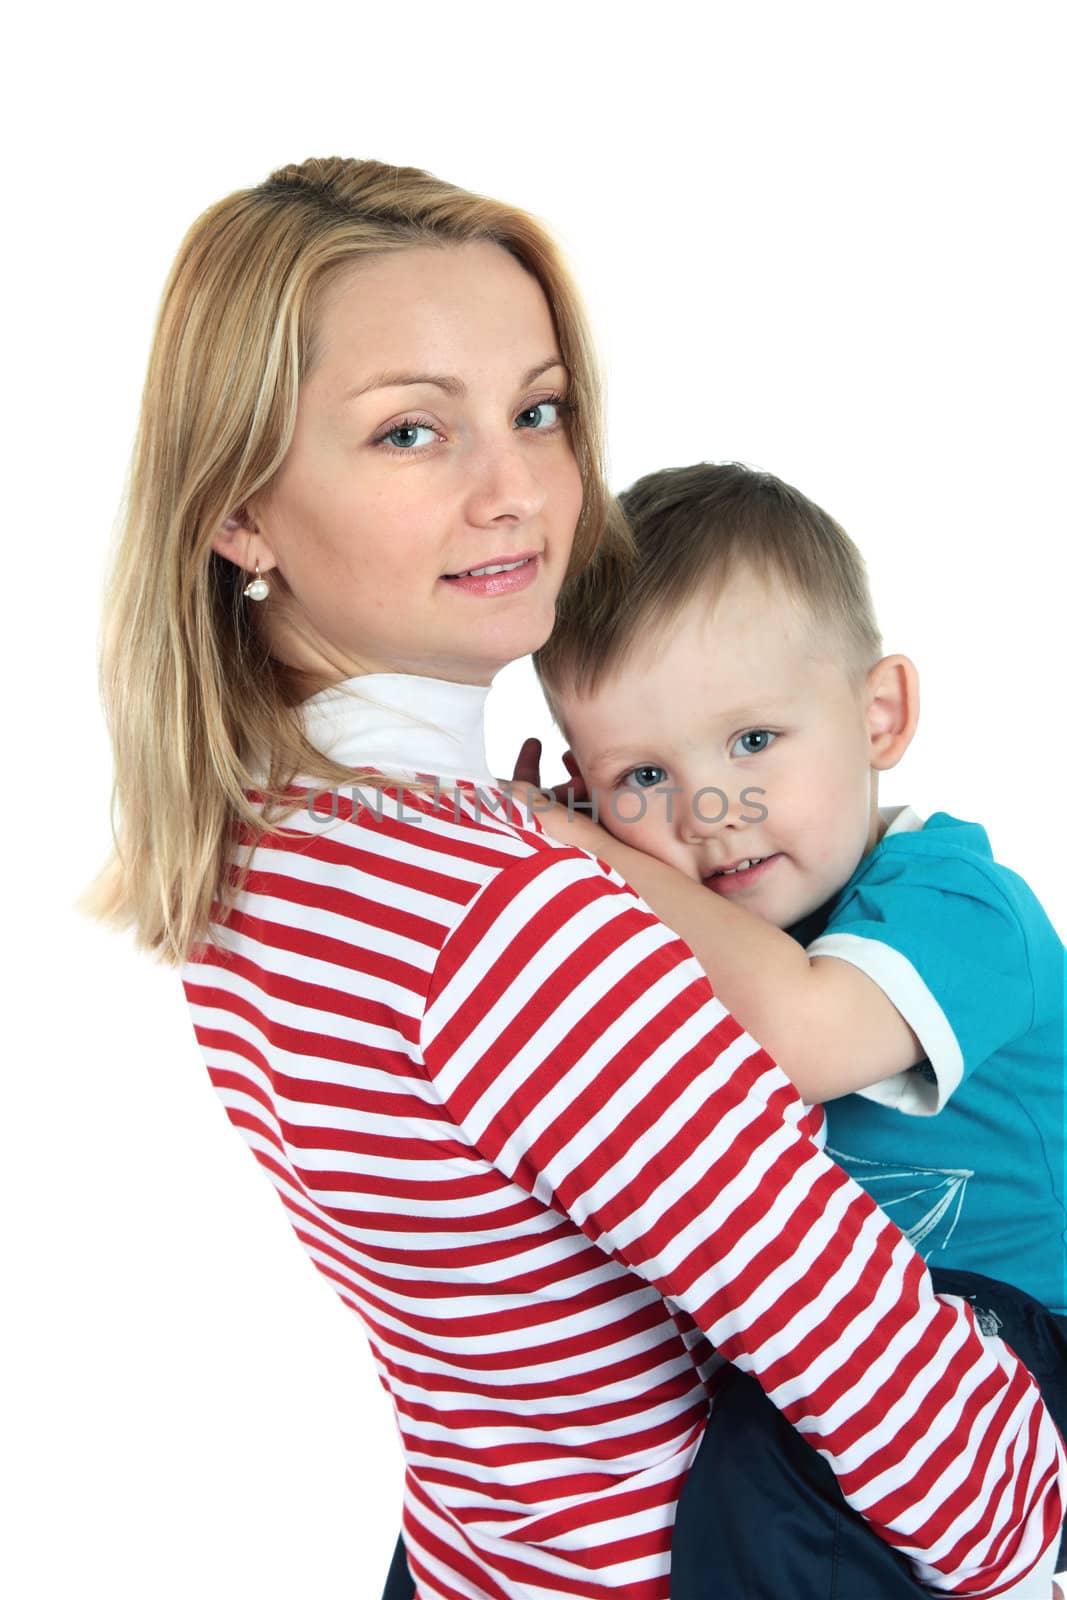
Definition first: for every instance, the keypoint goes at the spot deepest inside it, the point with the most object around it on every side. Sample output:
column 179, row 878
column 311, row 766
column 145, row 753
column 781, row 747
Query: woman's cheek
column 566, row 492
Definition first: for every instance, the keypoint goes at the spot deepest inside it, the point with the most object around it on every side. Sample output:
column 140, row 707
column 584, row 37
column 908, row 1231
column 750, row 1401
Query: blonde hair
column 692, row 527
column 199, row 712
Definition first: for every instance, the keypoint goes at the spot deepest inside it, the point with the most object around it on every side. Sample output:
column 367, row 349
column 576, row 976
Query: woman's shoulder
column 386, row 821
column 377, row 885
column 425, row 852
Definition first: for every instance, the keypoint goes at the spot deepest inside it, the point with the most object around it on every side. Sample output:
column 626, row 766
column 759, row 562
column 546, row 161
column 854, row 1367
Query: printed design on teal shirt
column 924, row 1202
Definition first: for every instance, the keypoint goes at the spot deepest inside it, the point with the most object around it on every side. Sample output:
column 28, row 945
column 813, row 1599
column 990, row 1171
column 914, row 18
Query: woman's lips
column 728, row 883
column 496, row 577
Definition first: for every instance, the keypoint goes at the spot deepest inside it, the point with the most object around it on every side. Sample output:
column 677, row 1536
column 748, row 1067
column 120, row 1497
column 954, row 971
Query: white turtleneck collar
column 402, row 724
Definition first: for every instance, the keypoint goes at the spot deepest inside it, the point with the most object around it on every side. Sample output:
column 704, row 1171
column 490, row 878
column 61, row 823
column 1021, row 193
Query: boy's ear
column 892, row 709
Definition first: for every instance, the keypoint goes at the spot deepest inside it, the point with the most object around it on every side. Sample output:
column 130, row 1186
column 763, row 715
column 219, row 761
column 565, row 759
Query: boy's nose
column 709, row 812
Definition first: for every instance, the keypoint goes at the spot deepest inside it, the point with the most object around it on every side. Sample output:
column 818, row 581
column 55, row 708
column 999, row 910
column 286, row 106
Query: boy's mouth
column 729, row 880
column 742, row 866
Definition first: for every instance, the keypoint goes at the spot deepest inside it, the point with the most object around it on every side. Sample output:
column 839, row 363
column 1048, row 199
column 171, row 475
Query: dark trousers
column 761, row 1516
column 398, row 1585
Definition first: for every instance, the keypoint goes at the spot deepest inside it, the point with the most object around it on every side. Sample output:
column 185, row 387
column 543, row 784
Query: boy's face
column 740, row 707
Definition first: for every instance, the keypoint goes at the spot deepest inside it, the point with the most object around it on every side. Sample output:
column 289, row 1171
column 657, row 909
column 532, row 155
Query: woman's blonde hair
column 195, row 704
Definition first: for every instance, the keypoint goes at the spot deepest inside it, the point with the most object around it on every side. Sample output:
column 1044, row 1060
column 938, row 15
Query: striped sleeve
column 581, row 1049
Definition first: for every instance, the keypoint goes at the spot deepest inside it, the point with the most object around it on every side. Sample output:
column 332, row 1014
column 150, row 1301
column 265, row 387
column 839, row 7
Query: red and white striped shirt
column 516, row 1130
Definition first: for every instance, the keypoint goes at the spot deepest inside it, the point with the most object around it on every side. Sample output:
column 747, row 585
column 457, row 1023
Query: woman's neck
column 402, row 723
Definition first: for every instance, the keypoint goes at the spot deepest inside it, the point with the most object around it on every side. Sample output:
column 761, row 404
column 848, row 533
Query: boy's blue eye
column 752, row 742
column 646, row 777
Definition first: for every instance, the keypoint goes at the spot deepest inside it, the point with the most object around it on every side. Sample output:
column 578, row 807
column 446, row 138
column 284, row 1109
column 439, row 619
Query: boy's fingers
column 528, row 763
column 528, row 772
column 577, row 781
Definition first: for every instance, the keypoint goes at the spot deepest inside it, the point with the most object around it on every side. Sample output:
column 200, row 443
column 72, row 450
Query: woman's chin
column 516, row 637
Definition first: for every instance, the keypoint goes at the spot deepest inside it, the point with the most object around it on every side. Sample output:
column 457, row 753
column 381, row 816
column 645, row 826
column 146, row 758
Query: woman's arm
column 580, row 1048
column 829, row 1026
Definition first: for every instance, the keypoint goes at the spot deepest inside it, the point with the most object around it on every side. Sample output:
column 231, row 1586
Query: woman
column 504, row 1111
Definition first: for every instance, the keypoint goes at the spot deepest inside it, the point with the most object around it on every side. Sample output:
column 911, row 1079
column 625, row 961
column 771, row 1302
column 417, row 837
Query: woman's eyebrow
column 453, row 386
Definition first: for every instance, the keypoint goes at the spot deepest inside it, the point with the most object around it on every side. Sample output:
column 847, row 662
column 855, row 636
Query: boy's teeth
column 485, row 572
column 728, row 872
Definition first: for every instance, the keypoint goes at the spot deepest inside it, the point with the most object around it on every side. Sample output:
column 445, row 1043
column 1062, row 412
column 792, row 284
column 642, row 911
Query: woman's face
column 431, row 443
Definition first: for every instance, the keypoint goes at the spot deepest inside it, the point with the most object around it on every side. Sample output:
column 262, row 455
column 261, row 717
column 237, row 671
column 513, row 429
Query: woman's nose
column 504, row 484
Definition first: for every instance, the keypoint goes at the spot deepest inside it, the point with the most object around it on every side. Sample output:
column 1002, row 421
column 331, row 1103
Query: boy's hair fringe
column 693, row 527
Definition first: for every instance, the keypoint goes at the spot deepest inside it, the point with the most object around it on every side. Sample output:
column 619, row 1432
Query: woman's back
column 534, row 1375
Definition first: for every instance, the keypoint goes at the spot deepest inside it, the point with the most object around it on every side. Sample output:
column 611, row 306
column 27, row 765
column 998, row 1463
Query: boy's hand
column 528, row 771
column 561, row 821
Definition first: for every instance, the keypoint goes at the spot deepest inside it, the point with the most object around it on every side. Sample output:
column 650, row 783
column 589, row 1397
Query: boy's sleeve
column 579, row 1045
column 942, row 940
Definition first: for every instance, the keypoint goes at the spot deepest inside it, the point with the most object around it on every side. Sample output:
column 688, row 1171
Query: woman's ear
column 239, row 539
column 892, row 691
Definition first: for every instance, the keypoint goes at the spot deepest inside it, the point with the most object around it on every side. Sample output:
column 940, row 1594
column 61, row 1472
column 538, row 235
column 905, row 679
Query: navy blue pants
column 761, row 1516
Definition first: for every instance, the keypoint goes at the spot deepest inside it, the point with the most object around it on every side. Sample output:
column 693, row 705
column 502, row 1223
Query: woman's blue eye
column 647, row 777
column 752, row 742
column 543, row 415
column 406, row 436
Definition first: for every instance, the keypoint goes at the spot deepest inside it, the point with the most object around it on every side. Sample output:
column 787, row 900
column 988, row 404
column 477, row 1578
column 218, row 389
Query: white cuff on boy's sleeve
column 911, row 1091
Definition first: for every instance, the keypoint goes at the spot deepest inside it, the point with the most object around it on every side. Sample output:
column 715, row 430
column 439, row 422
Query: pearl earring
column 259, row 588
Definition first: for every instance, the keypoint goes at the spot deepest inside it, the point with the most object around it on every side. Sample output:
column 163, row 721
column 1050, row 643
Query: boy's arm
column 829, row 1026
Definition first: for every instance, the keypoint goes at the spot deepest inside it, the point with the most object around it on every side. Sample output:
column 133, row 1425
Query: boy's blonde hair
column 194, row 700
column 693, row 527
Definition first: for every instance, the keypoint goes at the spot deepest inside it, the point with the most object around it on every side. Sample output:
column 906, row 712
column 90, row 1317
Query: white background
column 821, row 238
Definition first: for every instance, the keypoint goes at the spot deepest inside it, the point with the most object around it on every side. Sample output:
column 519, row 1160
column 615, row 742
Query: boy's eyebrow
column 752, row 715
column 452, row 386
column 630, row 755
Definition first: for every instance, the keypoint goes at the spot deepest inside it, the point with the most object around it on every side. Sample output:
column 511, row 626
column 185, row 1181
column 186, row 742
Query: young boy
column 729, row 709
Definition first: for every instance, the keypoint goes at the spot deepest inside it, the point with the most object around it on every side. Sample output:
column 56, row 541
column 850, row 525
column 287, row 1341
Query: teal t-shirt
column 966, row 1151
